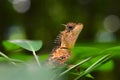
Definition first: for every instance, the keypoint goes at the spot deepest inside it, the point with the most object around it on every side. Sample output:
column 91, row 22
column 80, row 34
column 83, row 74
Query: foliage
column 89, row 59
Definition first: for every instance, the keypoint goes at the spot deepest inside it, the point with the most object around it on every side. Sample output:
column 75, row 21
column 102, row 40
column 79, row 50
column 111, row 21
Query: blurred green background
column 42, row 19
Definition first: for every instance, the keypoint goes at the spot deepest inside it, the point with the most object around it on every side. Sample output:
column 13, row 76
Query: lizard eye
column 70, row 27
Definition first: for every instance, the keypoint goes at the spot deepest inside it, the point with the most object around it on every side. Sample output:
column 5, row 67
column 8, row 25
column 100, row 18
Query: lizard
column 65, row 42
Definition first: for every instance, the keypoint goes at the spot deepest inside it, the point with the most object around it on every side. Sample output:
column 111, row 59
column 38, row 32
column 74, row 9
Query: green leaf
column 113, row 50
column 90, row 76
column 9, row 46
column 108, row 66
column 95, row 65
column 28, row 44
column 10, row 59
column 81, row 62
column 84, row 52
column 21, row 56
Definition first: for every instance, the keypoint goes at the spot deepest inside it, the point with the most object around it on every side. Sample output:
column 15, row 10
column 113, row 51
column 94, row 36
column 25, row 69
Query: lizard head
column 70, row 34
column 74, row 26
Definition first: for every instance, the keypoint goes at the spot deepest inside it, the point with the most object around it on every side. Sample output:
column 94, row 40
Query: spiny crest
column 58, row 39
column 69, row 26
column 53, row 50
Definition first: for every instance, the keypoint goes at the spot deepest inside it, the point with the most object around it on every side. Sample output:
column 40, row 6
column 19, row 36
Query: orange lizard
column 65, row 41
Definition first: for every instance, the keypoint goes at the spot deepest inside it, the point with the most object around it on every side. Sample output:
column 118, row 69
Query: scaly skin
column 66, row 40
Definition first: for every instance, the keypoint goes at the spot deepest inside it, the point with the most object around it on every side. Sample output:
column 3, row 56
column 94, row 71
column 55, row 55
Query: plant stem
column 37, row 60
column 6, row 57
column 34, row 54
column 83, row 61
